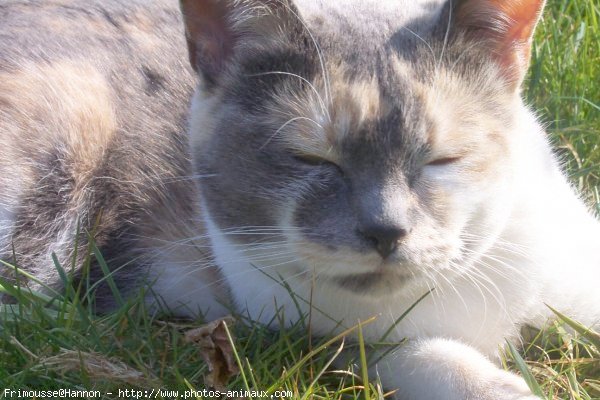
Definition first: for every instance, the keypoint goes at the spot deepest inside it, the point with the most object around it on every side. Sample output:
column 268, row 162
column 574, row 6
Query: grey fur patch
column 93, row 98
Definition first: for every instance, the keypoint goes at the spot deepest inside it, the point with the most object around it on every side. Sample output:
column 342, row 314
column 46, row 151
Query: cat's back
column 93, row 98
column 93, row 30
column 132, row 44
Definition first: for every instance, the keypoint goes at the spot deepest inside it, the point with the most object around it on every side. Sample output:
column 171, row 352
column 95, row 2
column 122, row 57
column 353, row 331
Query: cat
column 342, row 160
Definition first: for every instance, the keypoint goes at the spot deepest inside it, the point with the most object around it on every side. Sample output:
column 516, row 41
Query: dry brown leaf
column 216, row 350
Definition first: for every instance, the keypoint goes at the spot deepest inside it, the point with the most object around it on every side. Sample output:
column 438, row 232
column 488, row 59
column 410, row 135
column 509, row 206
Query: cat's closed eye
column 316, row 161
column 441, row 161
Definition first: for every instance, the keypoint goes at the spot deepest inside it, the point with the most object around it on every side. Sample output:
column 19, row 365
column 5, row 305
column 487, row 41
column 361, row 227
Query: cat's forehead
column 371, row 17
column 356, row 27
column 364, row 114
column 394, row 113
column 370, row 94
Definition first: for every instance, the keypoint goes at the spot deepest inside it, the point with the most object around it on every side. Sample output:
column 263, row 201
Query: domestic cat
column 346, row 159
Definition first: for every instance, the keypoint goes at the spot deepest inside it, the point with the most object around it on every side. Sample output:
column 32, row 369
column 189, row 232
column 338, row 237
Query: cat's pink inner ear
column 508, row 25
column 216, row 29
column 209, row 35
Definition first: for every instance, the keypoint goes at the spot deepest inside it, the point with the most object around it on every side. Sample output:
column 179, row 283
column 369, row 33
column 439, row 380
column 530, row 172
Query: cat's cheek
column 464, row 189
column 467, row 213
column 446, row 195
column 445, row 180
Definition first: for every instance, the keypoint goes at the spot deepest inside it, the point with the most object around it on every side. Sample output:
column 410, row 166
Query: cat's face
column 375, row 161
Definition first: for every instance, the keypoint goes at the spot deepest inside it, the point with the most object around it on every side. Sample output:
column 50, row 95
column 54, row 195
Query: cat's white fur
column 187, row 292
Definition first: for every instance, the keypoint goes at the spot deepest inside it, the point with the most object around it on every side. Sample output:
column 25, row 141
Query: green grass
column 57, row 342
column 564, row 86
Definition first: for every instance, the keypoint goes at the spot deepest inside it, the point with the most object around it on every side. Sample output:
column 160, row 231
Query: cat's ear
column 507, row 26
column 217, row 30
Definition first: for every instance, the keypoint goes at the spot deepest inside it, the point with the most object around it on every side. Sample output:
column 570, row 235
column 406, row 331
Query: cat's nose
column 385, row 238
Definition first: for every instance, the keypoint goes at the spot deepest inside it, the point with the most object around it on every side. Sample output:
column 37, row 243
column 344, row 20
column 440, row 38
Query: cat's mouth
column 373, row 283
column 368, row 273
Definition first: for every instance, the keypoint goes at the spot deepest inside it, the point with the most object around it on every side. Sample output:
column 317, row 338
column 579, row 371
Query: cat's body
column 350, row 157
column 93, row 105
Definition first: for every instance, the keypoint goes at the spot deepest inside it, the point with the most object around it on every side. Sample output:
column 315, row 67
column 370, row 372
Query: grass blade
column 588, row 333
column 525, row 372
column 363, row 362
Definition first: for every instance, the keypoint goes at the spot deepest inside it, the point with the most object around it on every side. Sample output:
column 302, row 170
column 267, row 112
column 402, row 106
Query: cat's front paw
column 442, row 369
column 500, row 385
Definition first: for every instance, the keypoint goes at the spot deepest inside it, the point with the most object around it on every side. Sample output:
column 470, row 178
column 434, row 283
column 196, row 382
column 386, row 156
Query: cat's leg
column 442, row 369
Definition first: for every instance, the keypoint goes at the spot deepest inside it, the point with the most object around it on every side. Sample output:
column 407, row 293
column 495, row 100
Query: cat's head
column 371, row 143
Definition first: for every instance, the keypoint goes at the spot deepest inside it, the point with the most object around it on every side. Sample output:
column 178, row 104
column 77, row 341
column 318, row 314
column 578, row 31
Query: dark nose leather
column 385, row 238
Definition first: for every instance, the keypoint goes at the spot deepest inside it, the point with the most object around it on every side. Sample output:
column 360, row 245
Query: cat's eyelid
column 445, row 160
column 311, row 159
column 317, row 161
